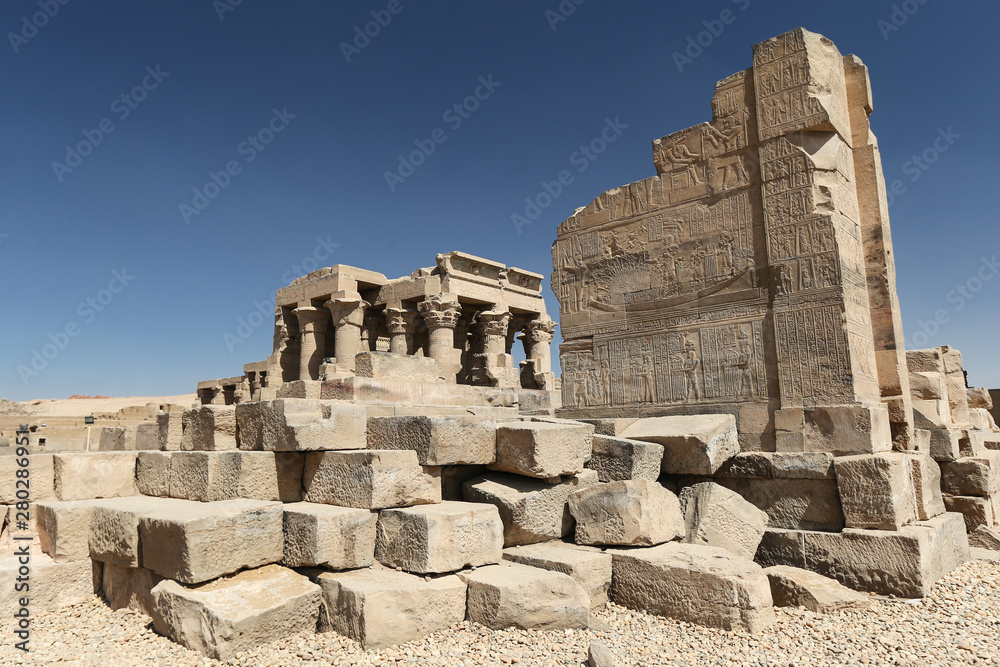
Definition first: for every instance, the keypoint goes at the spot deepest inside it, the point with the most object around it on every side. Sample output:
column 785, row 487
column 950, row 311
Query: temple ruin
column 738, row 425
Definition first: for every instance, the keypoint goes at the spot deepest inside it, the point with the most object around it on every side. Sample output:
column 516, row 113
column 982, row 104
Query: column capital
column 400, row 320
column 541, row 329
column 493, row 322
column 440, row 311
column 347, row 310
column 310, row 318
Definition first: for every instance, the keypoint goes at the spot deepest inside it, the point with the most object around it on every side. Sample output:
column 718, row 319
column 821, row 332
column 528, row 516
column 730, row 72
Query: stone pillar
column 402, row 323
column 312, row 331
column 348, row 316
column 492, row 325
column 441, row 314
column 538, row 338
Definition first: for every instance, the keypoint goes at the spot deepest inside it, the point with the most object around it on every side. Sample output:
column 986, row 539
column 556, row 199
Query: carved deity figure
column 690, row 365
column 682, row 157
column 743, row 364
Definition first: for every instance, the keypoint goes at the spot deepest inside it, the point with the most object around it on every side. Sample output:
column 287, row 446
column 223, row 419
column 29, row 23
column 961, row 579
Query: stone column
column 312, row 331
column 492, row 325
column 348, row 317
column 441, row 314
column 538, row 339
column 402, row 323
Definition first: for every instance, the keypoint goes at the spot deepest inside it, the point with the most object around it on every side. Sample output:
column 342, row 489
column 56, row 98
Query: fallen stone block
column 511, row 595
column 440, row 538
column 977, row 511
column 978, row 476
column 53, row 585
column 379, row 608
column 224, row 617
column 114, row 527
column 531, row 510
column 298, row 425
column 694, row 583
column 876, row 490
column 945, row 443
column 170, row 432
column 928, row 386
column 209, row 428
column 904, row 563
column 339, row 538
column 610, row 427
column 982, row 420
column 618, row 459
column 985, row 538
column 541, row 449
column 152, row 473
column 590, row 567
column 438, row 441
column 979, row 398
column 369, row 479
column 397, row 367
column 795, row 587
column 64, row 529
column 926, row 475
column 693, row 445
column 41, row 471
column 128, row 587
column 212, row 476
column 844, row 430
column 715, row 516
column 82, row 476
column 453, row 478
column 636, row 513
column 201, row 541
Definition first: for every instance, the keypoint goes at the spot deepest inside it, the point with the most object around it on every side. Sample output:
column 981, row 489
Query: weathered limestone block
column 926, row 475
column 931, row 413
column 147, row 437
column 531, row 510
column 399, row 367
column 599, row 655
column 202, row 541
column 440, row 538
column 53, row 585
column 339, row 538
column 978, row 476
column 224, row 617
column 842, row 430
column 610, row 427
column 976, row 511
column 81, row 476
column 876, row 490
column 928, row 386
column 618, row 459
column 925, row 361
column 694, row 583
column 795, row 587
column 511, row 595
column 41, row 472
column 209, row 428
column 294, row 425
column 982, row 420
column 64, row 528
column 979, row 398
column 985, row 538
column 635, row 512
column 904, row 563
column 945, row 443
column 114, row 527
column 380, row 608
column 171, row 431
column 112, row 439
column 718, row 517
column 128, row 587
column 542, row 449
column 211, row 476
column 438, row 441
column 589, row 566
column 693, row 445
column 369, row 479
column 958, row 398
column 152, row 473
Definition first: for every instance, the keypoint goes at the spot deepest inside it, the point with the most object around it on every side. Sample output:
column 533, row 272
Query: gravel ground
column 958, row 625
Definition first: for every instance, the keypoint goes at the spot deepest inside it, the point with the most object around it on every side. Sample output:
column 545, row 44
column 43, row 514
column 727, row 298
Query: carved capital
column 347, row 311
column 400, row 320
column 311, row 319
column 492, row 322
column 541, row 330
column 440, row 311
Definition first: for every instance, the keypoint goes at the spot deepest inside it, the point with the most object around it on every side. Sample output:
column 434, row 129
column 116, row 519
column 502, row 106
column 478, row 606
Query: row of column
column 440, row 314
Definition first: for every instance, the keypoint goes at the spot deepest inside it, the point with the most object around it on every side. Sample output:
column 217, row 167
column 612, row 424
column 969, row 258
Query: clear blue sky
column 185, row 280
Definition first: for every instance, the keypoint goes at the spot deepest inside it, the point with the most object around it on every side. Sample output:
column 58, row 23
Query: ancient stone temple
column 753, row 273
column 466, row 314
